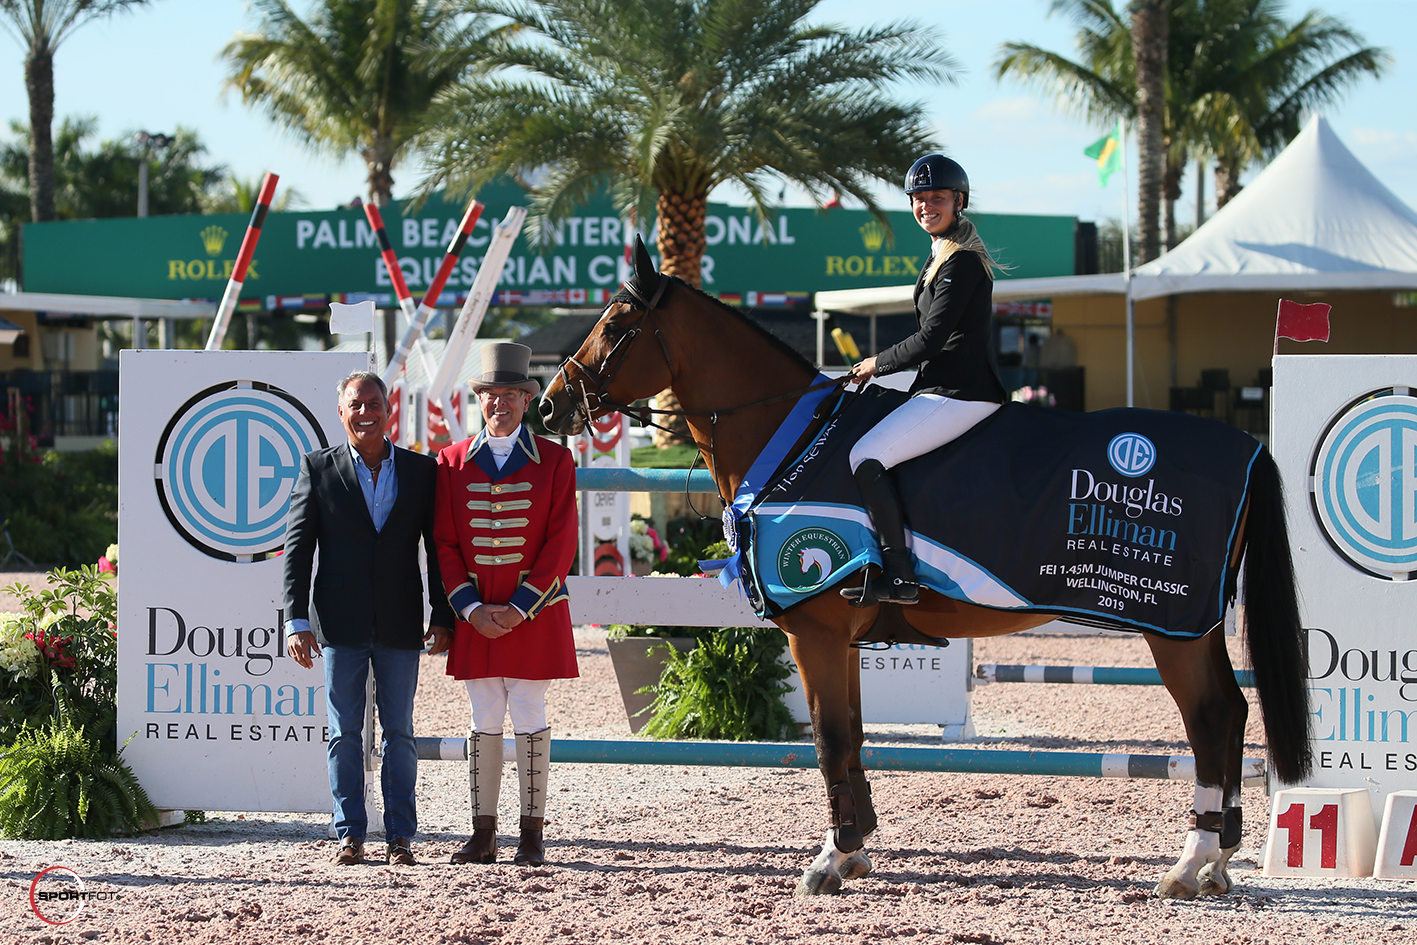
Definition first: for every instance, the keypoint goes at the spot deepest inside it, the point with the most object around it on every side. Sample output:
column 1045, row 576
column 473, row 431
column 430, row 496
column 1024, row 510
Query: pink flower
column 104, row 565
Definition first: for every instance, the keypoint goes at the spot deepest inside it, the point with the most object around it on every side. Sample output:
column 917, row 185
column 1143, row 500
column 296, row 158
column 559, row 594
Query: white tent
column 1314, row 219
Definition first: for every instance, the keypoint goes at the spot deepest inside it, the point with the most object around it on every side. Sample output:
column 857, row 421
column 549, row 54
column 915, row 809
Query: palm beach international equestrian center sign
column 791, row 253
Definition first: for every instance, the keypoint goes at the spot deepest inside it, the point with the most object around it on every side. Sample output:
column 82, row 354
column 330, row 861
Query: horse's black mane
column 773, row 340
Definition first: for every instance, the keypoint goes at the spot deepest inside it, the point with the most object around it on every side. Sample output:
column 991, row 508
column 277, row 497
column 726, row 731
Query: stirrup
column 882, row 589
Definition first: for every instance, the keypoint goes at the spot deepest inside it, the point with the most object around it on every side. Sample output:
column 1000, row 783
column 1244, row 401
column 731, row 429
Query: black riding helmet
column 937, row 172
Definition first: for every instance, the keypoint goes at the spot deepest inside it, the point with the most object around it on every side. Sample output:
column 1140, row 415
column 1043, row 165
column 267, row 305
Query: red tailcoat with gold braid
column 509, row 536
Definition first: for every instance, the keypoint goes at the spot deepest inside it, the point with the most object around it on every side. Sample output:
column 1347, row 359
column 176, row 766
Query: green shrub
column 690, row 540
column 59, row 656
column 60, row 508
column 729, row 687
column 56, row 782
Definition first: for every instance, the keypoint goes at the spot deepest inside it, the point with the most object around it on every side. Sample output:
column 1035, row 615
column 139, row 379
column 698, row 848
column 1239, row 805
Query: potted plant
column 638, row 654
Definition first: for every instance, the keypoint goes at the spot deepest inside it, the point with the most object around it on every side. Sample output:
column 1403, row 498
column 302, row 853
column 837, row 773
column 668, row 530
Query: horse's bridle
column 610, row 365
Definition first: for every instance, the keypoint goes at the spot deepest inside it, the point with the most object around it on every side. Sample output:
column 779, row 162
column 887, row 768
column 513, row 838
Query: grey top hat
column 506, row 364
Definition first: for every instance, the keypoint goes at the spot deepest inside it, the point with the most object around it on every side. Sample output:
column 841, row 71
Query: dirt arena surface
column 682, row 855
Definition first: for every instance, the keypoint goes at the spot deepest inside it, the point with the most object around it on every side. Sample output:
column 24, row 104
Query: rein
column 645, row 414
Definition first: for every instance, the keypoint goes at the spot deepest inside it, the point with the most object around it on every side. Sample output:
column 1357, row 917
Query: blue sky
column 157, row 67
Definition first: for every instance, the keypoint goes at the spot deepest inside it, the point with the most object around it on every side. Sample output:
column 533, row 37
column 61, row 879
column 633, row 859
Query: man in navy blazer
column 366, row 504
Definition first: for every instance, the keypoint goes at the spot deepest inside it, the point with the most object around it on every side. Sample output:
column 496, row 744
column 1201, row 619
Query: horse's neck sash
column 761, row 472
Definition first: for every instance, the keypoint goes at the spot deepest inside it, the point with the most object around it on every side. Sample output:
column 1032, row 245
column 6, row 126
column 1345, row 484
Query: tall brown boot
column 484, row 781
column 533, row 755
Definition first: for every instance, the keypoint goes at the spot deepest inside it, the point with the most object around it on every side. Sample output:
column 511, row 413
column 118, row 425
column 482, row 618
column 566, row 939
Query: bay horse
column 737, row 383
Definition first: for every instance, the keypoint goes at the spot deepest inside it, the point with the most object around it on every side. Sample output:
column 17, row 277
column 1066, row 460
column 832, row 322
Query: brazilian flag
column 1107, row 152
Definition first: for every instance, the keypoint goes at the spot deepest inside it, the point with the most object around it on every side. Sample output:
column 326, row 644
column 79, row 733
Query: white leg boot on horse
column 484, row 782
column 1202, row 847
column 896, row 584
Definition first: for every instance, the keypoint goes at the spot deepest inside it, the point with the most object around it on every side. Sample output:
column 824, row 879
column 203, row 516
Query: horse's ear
column 646, row 279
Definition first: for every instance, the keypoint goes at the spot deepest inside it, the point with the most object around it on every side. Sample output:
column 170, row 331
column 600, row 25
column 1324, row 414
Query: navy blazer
column 369, row 586
column 954, row 347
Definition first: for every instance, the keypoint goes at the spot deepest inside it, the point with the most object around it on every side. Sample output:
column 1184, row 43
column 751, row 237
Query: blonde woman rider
column 958, row 384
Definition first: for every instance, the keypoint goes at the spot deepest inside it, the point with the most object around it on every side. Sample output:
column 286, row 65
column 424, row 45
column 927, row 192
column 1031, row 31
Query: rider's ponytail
column 962, row 236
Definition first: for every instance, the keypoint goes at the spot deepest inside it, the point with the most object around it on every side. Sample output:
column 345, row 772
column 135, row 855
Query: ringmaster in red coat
column 506, row 535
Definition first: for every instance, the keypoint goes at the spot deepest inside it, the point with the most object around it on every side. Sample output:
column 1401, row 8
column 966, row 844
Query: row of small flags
column 272, row 303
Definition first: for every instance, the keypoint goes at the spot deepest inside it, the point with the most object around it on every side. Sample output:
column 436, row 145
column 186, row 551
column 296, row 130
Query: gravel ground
column 679, row 855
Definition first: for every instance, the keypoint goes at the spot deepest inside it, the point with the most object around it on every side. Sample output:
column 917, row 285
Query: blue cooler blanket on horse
column 1120, row 518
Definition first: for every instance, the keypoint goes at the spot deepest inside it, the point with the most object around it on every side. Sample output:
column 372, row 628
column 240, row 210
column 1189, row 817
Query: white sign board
column 209, row 451
column 1345, row 438
column 905, row 684
column 605, row 516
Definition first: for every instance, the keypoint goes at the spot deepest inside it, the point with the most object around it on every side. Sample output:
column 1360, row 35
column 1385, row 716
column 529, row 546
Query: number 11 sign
column 1320, row 832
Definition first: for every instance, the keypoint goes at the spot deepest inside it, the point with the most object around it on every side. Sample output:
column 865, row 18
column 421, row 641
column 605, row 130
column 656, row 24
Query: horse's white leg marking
column 1215, row 877
column 1202, row 848
column 856, row 865
column 824, row 876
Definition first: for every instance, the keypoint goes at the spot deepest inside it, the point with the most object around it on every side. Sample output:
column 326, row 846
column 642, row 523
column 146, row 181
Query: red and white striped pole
column 243, row 261
column 435, row 289
column 391, row 261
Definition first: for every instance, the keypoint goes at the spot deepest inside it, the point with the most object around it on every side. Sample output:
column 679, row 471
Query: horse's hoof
column 818, row 883
column 1173, row 888
column 856, row 866
column 1211, row 885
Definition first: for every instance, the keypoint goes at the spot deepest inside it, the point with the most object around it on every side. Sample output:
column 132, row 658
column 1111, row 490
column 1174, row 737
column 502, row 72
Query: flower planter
column 638, row 663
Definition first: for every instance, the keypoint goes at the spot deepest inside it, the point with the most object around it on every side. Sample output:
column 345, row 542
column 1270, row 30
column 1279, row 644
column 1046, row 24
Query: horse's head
column 615, row 367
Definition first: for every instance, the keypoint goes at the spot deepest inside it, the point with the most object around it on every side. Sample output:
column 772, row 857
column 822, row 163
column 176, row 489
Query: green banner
column 752, row 261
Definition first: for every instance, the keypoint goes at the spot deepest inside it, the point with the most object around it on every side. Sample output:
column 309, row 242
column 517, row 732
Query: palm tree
column 40, row 26
column 664, row 100
column 1234, row 67
column 1151, row 23
column 238, row 195
column 359, row 75
column 1293, row 69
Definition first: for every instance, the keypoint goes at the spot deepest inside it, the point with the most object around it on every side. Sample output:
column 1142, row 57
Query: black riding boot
column 896, row 583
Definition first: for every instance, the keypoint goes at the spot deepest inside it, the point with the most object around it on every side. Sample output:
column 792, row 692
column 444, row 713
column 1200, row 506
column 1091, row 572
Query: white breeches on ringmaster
column 490, row 699
column 916, row 427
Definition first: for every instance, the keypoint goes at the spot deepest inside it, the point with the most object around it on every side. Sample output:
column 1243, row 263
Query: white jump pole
column 499, row 248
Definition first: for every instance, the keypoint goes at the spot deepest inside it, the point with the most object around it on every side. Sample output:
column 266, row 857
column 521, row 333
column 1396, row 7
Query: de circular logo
column 1131, row 454
column 1364, row 484
column 809, row 557
column 227, row 464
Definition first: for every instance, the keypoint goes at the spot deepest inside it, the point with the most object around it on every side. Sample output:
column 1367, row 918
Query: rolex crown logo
column 873, row 235
column 213, row 238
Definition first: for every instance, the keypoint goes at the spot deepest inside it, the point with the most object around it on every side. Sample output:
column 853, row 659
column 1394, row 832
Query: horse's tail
column 1277, row 644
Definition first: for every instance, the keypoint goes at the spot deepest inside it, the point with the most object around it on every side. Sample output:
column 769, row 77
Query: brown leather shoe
column 481, row 847
column 351, row 852
column 401, row 853
column 531, row 851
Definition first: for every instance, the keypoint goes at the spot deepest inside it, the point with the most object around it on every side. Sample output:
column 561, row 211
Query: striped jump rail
column 1055, row 764
column 1084, row 675
column 625, row 479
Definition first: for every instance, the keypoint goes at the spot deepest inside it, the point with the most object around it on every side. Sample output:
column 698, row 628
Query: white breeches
column 921, row 424
column 491, row 698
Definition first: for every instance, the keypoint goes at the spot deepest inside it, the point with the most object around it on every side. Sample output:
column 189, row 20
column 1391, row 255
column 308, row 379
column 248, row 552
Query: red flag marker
column 1301, row 322
column 243, row 262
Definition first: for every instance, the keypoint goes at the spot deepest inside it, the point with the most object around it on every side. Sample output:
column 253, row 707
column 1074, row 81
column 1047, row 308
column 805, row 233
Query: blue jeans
column 395, row 679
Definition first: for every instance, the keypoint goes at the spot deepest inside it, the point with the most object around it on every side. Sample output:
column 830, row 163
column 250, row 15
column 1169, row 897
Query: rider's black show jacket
column 953, row 347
